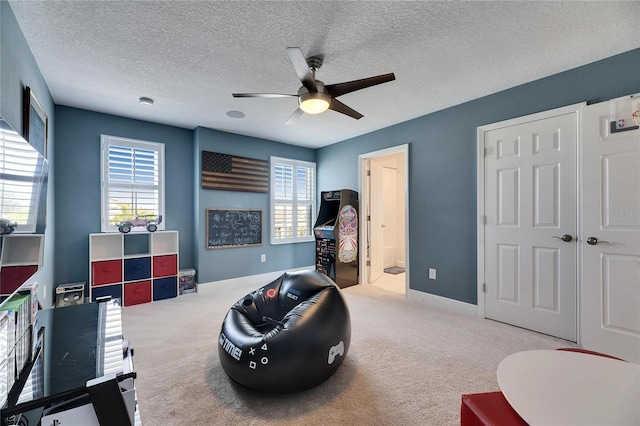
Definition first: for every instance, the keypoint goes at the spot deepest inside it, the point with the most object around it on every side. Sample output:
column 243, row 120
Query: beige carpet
column 408, row 364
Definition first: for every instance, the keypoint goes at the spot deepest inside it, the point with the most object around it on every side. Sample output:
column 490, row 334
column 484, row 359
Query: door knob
column 592, row 241
column 566, row 238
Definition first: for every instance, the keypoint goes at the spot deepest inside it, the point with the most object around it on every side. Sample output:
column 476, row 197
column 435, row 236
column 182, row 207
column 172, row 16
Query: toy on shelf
column 7, row 227
column 149, row 221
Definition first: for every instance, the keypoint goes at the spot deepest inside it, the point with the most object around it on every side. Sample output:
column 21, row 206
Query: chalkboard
column 228, row 228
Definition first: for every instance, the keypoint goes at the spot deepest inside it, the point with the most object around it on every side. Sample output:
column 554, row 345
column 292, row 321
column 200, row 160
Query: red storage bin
column 137, row 292
column 164, row 266
column 106, row 272
column 12, row 277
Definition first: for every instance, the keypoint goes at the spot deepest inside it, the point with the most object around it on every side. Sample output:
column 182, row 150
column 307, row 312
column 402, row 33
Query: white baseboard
column 457, row 306
column 260, row 278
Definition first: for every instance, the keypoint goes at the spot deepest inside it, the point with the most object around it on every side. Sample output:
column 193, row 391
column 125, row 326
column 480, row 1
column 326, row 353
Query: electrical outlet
column 44, row 292
column 432, row 273
column 263, row 258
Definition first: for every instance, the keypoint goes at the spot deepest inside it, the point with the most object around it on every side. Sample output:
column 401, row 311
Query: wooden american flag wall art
column 232, row 173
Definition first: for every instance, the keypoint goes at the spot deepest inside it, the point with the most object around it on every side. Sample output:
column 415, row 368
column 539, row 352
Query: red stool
column 492, row 408
column 586, row 351
column 489, row 408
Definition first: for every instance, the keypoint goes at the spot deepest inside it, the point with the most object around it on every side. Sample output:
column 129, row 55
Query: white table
column 550, row 387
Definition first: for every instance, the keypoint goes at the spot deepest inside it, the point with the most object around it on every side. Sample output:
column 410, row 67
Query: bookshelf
column 137, row 268
column 20, row 258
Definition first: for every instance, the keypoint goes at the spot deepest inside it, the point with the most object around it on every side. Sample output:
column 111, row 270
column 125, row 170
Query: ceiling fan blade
column 293, row 117
column 338, row 106
column 338, row 89
column 262, row 95
column 302, row 69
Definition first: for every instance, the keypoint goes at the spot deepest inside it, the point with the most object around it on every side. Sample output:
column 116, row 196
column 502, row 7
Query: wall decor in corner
column 35, row 123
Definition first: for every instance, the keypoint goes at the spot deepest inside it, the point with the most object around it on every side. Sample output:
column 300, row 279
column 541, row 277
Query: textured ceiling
column 190, row 56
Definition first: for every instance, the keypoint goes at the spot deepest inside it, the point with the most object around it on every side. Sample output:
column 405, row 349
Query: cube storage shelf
column 139, row 267
column 21, row 256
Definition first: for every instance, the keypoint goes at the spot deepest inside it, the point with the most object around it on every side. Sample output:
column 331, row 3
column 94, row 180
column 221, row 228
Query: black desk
column 81, row 343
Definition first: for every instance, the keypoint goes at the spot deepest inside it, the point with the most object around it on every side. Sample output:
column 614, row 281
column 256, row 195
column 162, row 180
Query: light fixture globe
column 314, row 103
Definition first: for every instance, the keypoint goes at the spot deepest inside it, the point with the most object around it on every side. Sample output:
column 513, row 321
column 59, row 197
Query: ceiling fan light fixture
column 314, row 97
column 314, row 103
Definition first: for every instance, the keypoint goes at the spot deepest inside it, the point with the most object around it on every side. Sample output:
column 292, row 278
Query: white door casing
column 376, row 221
column 390, row 216
column 610, row 212
column 529, row 202
column 364, row 191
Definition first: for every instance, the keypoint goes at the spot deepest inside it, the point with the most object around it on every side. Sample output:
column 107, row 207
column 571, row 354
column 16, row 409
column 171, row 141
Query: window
column 22, row 183
column 293, row 187
column 132, row 181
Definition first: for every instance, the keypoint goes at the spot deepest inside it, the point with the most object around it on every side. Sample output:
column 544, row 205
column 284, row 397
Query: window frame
column 23, row 174
column 273, row 201
column 106, row 141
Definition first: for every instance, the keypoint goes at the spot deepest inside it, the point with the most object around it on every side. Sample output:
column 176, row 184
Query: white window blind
column 22, row 171
column 293, row 185
column 132, row 181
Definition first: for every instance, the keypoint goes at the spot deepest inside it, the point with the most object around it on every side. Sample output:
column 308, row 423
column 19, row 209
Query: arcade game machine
column 336, row 232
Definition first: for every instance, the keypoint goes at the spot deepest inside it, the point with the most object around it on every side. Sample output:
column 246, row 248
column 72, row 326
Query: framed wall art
column 35, row 123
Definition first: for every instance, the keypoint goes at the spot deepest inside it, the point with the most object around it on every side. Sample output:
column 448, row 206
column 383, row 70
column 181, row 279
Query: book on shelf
column 16, row 339
column 31, row 289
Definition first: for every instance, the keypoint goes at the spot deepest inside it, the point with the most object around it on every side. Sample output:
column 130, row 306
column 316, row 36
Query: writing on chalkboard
column 228, row 228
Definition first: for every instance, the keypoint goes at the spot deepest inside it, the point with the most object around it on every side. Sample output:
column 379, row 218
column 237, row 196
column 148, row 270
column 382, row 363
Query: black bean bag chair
column 290, row 335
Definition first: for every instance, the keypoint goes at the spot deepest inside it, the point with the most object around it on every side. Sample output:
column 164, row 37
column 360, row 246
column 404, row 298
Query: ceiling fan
column 314, row 96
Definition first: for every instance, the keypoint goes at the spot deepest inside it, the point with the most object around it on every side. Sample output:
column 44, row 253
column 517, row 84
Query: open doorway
column 384, row 201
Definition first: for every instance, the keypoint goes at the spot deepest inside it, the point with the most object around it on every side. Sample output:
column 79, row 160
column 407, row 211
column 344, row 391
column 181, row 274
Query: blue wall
column 442, row 165
column 442, row 175
column 18, row 68
column 214, row 265
column 78, row 194
column 77, row 202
